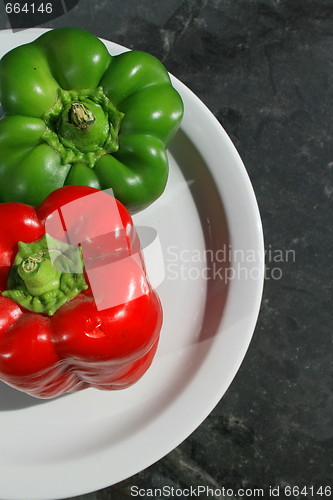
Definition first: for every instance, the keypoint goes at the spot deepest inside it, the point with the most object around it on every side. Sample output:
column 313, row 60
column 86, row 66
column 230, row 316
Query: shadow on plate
column 12, row 399
column 214, row 226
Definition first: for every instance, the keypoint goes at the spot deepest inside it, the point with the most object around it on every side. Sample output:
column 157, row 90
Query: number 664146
column 29, row 8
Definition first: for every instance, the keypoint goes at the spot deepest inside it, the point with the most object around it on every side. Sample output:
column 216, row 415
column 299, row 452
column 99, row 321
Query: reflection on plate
column 208, row 226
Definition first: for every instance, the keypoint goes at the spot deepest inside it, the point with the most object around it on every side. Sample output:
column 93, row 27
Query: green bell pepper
column 75, row 115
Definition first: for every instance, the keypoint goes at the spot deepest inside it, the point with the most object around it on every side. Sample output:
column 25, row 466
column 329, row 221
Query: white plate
column 86, row 441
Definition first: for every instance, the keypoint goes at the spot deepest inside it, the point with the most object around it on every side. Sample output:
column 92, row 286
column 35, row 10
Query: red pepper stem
column 39, row 274
column 46, row 274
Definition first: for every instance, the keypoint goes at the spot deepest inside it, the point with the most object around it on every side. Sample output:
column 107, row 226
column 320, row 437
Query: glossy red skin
column 78, row 347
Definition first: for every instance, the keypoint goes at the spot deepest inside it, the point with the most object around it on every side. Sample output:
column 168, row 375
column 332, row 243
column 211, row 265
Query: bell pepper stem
column 39, row 274
column 80, row 116
column 82, row 126
column 45, row 275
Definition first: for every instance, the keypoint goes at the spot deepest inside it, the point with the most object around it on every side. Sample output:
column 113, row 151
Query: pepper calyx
column 45, row 275
column 82, row 126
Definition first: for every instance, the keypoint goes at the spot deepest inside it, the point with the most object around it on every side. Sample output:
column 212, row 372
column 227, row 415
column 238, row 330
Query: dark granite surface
column 265, row 69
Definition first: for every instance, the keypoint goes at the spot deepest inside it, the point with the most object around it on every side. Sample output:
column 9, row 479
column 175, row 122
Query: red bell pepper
column 73, row 315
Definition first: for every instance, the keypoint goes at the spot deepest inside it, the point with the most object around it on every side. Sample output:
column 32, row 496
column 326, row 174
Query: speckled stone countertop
column 265, row 70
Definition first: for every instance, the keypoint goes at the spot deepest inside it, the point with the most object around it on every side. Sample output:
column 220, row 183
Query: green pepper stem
column 80, row 116
column 82, row 126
